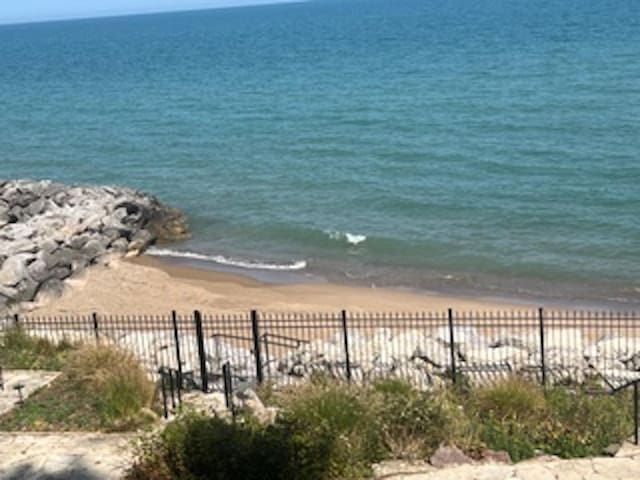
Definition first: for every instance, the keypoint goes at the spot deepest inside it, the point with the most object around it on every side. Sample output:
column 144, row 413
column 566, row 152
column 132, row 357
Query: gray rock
column 448, row 456
column 495, row 456
column 140, row 241
column 62, row 257
column 94, row 248
column 27, row 289
column 14, row 269
column 36, row 207
column 22, row 245
column 48, row 246
column 60, row 273
column 119, row 245
column 38, row 270
column 612, row 449
column 8, row 292
column 79, row 241
column 52, row 287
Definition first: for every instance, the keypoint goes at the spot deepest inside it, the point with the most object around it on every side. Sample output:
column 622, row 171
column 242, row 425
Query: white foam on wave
column 355, row 239
column 352, row 238
column 232, row 262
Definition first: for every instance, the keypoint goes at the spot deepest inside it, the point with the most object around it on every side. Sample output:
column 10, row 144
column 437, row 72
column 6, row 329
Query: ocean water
column 474, row 147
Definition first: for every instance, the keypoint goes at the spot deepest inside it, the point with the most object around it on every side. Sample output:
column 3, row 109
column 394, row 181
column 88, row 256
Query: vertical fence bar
column 267, row 359
column 636, row 434
column 176, row 337
column 256, row 345
column 228, row 386
column 197, row 316
column 543, row 361
column 164, row 393
column 345, row 333
column 452, row 349
column 94, row 316
column 172, row 389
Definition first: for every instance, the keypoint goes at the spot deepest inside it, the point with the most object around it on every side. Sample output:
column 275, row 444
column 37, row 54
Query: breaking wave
column 351, row 238
column 232, row 262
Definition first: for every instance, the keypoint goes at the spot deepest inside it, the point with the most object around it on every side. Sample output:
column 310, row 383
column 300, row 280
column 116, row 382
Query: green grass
column 20, row 351
column 101, row 388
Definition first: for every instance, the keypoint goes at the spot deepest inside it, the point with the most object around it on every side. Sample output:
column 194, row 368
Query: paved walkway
column 89, row 456
column 32, row 380
column 72, row 456
column 624, row 466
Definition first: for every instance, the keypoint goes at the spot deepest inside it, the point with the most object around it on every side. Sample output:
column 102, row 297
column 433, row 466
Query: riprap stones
column 50, row 231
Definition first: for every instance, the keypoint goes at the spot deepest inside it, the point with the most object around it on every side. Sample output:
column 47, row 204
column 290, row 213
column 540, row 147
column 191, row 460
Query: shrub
column 327, row 430
column 413, row 424
column 22, row 351
column 114, row 381
column 339, row 412
column 511, row 399
column 583, row 424
column 194, row 447
column 522, row 418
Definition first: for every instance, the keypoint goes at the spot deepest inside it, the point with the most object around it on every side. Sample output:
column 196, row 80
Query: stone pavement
column 624, row 466
column 72, row 456
column 32, row 381
column 94, row 456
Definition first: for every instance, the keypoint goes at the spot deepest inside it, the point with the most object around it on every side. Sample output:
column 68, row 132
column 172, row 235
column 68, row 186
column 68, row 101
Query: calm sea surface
column 488, row 147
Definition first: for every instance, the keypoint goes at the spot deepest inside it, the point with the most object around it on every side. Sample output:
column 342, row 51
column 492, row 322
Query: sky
column 21, row 11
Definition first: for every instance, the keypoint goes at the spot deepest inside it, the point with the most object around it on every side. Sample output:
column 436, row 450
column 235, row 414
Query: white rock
column 14, row 269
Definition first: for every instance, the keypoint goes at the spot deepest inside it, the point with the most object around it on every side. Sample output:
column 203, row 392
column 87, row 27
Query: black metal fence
column 426, row 349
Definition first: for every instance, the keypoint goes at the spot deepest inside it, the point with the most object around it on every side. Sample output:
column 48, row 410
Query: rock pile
column 50, row 231
column 422, row 358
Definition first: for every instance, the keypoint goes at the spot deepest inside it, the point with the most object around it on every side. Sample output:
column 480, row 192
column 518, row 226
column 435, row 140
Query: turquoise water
column 485, row 147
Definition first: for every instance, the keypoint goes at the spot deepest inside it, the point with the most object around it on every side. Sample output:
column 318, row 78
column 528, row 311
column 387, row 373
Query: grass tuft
column 20, row 351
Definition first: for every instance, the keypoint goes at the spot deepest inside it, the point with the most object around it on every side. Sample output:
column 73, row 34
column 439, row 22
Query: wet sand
column 148, row 285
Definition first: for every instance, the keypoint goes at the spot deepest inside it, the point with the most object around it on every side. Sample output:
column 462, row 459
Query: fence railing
column 425, row 349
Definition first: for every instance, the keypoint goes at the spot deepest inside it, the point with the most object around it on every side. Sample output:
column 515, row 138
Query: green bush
column 412, row 424
column 327, row 430
column 18, row 350
column 583, row 424
column 114, row 381
column 195, row 447
column 522, row 418
column 342, row 413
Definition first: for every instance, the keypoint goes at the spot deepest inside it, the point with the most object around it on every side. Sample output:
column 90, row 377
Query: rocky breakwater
column 50, row 231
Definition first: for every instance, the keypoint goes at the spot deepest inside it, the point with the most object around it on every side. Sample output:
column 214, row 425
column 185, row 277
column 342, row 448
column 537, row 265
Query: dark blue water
column 491, row 147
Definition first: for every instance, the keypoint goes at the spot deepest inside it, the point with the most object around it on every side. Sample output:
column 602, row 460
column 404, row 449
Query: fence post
column 346, row 345
column 197, row 316
column 452, row 348
column 16, row 320
column 94, row 316
column 176, row 337
column 543, row 362
column 256, row 345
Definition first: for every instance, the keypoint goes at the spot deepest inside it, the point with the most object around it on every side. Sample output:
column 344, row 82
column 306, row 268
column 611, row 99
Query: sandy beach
column 147, row 285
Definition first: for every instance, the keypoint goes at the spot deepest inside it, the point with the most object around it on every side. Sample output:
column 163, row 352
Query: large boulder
column 48, row 231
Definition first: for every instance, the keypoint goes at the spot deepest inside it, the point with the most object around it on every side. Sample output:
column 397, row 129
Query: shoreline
column 556, row 292
column 312, row 275
column 152, row 286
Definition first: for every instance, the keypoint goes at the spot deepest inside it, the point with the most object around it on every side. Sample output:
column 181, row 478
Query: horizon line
column 105, row 16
